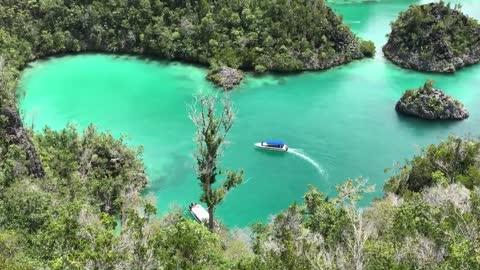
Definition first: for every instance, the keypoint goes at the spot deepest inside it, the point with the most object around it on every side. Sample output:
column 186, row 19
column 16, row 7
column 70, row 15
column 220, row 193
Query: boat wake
column 299, row 153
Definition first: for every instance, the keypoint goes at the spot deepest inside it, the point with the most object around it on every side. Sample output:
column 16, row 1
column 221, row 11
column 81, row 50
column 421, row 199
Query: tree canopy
column 262, row 35
column 434, row 37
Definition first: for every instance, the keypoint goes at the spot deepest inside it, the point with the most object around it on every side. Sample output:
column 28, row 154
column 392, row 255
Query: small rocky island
column 430, row 103
column 434, row 38
column 226, row 77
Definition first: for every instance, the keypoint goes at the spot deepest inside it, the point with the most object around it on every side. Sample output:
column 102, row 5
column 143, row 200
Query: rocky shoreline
column 434, row 45
column 14, row 132
column 430, row 103
column 228, row 78
column 447, row 63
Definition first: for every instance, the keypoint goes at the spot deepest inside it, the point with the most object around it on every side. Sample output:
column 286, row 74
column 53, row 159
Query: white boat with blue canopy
column 274, row 145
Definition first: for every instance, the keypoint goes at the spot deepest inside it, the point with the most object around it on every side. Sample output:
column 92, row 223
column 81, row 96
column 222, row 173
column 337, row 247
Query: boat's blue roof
column 275, row 142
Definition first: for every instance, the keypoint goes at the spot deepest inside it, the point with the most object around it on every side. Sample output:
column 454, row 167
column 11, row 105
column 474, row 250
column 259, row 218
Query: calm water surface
column 343, row 119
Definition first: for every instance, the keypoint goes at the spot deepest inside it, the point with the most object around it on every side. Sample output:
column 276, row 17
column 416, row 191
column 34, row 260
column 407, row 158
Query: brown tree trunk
column 211, row 225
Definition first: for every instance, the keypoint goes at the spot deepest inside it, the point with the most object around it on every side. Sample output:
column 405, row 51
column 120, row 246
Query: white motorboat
column 199, row 213
column 273, row 145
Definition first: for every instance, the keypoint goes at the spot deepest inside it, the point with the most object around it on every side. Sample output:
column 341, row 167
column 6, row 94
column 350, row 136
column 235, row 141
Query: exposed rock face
column 226, row 77
column 16, row 134
column 12, row 131
column 314, row 62
column 434, row 38
column 430, row 103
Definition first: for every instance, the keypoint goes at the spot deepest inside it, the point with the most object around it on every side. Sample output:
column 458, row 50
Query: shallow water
column 343, row 119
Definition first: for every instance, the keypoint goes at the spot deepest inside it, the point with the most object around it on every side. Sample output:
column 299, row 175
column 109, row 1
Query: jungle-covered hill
column 434, row 37
column 277, row 35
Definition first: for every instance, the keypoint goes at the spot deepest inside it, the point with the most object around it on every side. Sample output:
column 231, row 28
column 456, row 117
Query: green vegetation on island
column 251, row 35
column 435, row 38
column 452, row 161
column 430, row 103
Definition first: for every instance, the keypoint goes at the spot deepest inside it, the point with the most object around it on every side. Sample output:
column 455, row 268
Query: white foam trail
column 303, row 156
column 246, row 181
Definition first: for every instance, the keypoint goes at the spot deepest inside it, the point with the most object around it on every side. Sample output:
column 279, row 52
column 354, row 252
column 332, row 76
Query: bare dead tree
column 212, row 128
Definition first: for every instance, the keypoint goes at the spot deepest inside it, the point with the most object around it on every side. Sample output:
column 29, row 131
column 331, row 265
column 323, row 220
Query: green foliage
column 413, row 217
column 27, row 212
column 260, row 69
column 95, row 165
column 236, row 34
column 381, row 255
column 323, row 216
column 432, row 230
column 434, row 31
column 367, row 48
column 453, row 160
column 12, row 248
column 413, row 94
column 439, row 178
column 189, row 245
column 471, row 178
column 410, row 94
column 278, row 247
column 429, row 84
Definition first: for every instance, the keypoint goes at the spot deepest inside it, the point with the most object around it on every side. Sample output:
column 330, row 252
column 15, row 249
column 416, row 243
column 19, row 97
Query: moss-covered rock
column 434, row 38
column 430, row 103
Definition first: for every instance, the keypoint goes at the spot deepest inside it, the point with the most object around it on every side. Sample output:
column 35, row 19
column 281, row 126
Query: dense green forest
column 261, row 35
column 435, row 37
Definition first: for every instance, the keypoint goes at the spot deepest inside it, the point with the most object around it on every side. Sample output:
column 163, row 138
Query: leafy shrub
column 410, row 94
column 367, row 48
column 260, row 68
column 455, row 157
